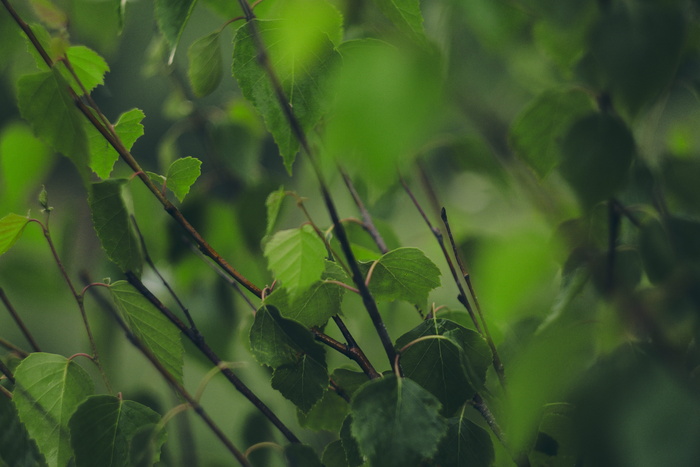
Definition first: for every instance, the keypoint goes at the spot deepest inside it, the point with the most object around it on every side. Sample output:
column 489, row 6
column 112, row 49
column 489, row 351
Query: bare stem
column 12, row 347
column 367, row 222
column 18, row 320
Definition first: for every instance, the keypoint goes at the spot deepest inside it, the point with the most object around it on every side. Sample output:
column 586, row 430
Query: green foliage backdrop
column 349, row 233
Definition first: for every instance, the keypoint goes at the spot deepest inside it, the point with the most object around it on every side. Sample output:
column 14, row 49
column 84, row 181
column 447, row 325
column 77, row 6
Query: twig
column 10, row 346
column 113, row 139
column 367, row 298
column 18, row 320
column 367, row 222
column 350, row 350
column 203, row 347
column 7, row 372
column 199, row 410
column 497, row 363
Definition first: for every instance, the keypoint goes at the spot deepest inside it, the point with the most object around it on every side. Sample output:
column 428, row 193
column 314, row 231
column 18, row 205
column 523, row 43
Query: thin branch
column 367, row 298
column 7, row 372
column 353, row 353
column 497, row 363
column 113, row 139
column 12, row 347
column 18, row 321
column 199, row 410
column 367, row 222
column 198, row 341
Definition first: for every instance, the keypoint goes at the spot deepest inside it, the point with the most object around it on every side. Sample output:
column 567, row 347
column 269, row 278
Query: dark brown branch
column 203, row 347
column 7, row 372
column 13, row 348
column 367, row 222
column 18, row 321
column 350, row 350
column 199, row 410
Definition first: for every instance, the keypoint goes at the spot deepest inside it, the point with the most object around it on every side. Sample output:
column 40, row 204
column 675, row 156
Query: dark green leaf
column 17, row 449
column 303, row 79
column 404, row 274
column 334, row 455
column 102, row 154
column 11, row 228
column 296, row 257
column 301, row 455
column 145, row 445
column 302, row 382
column 103, row 427
column 150, row 326
column 111, row 221
column 172, row 16
column 349, row 380
column 182, row 173
column 206, row 64
column 597, row 153
column 89, row 67
column 466, row 444
column 537, row 132
column 328, row 414
column 406, row 16
column 352, row 450
column 48, row 390
column 316, row 305
column 45, row 103
column 396, row 422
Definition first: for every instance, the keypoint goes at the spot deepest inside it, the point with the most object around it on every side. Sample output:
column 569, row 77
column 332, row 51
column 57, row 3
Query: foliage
column 491, row 257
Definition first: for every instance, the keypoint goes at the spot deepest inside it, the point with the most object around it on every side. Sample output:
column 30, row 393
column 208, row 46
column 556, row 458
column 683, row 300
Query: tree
column 478, row 247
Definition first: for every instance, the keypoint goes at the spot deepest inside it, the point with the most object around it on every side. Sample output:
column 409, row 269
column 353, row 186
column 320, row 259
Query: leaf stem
column 18, row 321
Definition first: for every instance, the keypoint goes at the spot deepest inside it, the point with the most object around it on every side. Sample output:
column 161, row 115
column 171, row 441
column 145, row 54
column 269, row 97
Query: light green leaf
column 172, row 16
column 111, row 221
column 396, row 422
column 303, row 79
column 299, row 362
column 103, row 427
column 317, row 304
column 296, row 258
column 206, row 64
column 45, row 103
column 406, row 16
column 48, row 390
column 150, row 326
column 102, row 154
column 466, row 443
column 182, row 174
column 301, row 455
column 404, row 274
column 88, row 66
column 273, row 203
column 17, row 449
column 158, row 179
column 11, row 227
column 537, row 132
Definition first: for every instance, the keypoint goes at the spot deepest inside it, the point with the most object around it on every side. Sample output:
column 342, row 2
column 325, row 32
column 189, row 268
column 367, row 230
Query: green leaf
column 102, row 154
column 11, row 227
column 297, row 258
column 111, row 221
column 24, row 162
column 182, row 174
column 303, row 79
column 465, row 444
column 45, row 103
column 406, row 16
column 17, row 449
column 88, row 66
column 334, row 455
column 396, row 422
column 150, row 326
column 404, row 274
column 273, row 203
column 48, row 390
column 172, row 16
column 301, row 455
column 436, row 364
column 317, row 304
column 103, row 427
column 538, row 130
column 352, row 450
column 299, row 362
column 597, row 153
column 328, row 414
column 206, row 64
